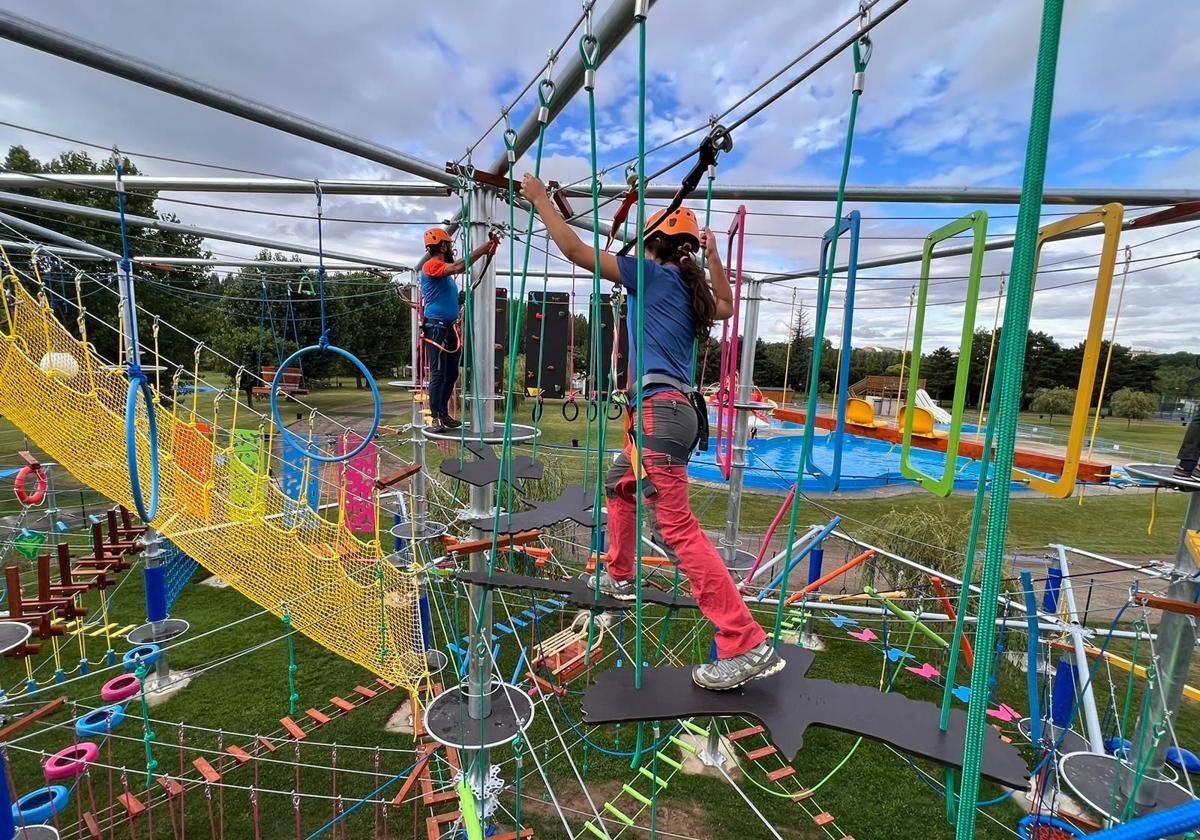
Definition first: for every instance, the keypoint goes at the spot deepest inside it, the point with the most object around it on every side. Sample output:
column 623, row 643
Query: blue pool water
column 866, row 464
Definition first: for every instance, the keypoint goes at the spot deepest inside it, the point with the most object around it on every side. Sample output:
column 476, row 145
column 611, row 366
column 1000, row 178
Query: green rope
column 589, row 50
column 640, row 345
column 148, row 736
column 293, row 693
column 1012, row 350
column 862, row 55
column 1138, row 625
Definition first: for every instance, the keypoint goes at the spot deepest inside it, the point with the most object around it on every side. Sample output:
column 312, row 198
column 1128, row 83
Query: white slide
column 940, row 415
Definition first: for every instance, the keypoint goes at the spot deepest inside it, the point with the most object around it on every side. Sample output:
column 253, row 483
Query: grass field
column 243, row 688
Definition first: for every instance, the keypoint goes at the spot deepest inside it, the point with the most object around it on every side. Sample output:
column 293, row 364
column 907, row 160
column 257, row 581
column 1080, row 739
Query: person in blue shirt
column 680, row 308
column 439, row 325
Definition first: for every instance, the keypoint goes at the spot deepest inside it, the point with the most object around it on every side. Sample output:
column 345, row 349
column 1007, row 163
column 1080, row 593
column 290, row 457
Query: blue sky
column 946, row 103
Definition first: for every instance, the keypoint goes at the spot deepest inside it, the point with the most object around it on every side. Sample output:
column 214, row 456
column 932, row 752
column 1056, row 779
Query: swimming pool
column 771, row 464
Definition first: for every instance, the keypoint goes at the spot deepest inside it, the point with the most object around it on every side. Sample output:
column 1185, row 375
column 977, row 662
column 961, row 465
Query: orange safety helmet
column 435, row 236
column 682, row 222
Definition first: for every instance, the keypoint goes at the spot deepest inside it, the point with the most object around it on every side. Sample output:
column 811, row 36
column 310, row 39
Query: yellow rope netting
column 232, row 519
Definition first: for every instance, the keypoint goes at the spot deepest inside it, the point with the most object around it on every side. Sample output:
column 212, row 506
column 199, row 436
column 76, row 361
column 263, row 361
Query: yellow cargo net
column 338, row 590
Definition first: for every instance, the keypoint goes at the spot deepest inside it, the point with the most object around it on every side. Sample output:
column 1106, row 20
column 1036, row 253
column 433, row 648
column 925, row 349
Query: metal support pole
column 480, row 389
column 90, row 54
column 1091, row 717
column 741, row 422
column 419, row 508
column 152, row 559
column 1173, row 654
column 63, row 209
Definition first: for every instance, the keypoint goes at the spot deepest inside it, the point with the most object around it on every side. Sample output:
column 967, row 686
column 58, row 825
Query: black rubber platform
column 484, row 469
column 574, row 504
column 1093, row 778
column 148, row 634
column 1161, row 473
column 13, row 634
column 577, row 591
column 789, row 702
column 447, row 719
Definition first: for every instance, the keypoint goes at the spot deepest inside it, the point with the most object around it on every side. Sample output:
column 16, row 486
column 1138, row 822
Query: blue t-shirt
column 670, row 328
column 439, row 292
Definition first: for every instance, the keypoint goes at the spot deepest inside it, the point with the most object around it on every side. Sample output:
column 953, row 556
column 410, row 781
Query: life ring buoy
column 20, row 487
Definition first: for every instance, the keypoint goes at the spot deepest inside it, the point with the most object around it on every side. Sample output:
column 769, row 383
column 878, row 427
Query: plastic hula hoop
column 138, row 384
column 295, row 441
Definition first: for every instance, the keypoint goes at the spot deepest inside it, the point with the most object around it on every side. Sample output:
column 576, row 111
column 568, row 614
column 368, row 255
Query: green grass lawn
column 243, row 688
column 1147, row 436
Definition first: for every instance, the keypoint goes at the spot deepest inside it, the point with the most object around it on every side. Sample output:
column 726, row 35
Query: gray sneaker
column 622, row 590
column 760, row 661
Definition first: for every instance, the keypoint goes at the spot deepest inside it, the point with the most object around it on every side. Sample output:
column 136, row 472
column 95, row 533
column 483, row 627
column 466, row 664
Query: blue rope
column 412, row 768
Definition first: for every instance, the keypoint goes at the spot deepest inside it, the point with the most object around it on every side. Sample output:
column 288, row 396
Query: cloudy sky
column 947, row 103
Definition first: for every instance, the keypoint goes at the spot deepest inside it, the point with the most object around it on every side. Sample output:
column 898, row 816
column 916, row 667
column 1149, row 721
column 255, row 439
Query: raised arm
column 459, row 266
column 572, row 247
column 720, row 283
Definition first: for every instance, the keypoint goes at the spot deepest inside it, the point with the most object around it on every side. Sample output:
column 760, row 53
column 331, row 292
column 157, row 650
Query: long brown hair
column 678, row 251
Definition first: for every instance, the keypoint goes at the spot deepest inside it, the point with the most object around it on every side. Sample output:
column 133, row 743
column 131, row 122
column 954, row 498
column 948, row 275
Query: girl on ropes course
column 439, row 326
column 681, row 307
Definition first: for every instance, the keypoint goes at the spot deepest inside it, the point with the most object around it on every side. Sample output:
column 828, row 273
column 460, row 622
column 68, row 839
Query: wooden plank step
column 267, row 745
column 384, row 684
column 415, row 776
column 206, row 770
column 132, row 805
column 239, row 754
column 802, row 795
column 93, row 827
column 172, row 787
column 823, row 818
column 761, row 752
column 781, row 773
column 319, row 717
column 745, row 733
column 364, row 692
column 293, row 728
column 344, row 705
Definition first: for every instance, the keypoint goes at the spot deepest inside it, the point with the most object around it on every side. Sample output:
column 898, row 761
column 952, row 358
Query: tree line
column 254, row 317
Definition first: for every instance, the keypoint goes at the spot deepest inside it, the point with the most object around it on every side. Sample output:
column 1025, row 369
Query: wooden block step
column 344, row 705
column 206, row 770
column 239, row 754
column 293, row 728
column 761, row 752
column 802, row 795
column 267, row 745
column 823, row 818
column 172, row 787
column 93, row 827
column 132, row 805
column 320, row 718
column 364, row 692
column 781, row 773
column 745, row 733
column 384, row 684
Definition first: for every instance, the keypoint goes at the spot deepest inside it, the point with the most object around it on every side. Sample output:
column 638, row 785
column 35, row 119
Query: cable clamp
column 860, row 80
column 641, row 8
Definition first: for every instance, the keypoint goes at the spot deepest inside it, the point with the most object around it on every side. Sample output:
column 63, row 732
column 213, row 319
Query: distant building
column 1140, row 351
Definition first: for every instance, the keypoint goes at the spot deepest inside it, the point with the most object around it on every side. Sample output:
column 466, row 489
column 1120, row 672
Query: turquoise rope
column 1012, row 349
column 861, row 57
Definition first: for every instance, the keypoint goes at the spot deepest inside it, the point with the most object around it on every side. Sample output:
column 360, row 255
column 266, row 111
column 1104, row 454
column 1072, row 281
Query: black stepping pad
column 577, row 591
column 788, row 703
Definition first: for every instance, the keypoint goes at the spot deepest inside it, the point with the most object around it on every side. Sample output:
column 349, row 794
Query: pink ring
column 120, row 688
column 70, row 762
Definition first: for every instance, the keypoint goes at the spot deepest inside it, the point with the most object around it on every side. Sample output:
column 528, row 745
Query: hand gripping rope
column 290, row 438
column 718, row 140
column 138, row 383
column 727, row 381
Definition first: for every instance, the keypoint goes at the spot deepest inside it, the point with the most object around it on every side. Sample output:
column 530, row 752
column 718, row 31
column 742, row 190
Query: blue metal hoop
column 138, row 384
column 295, row 441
